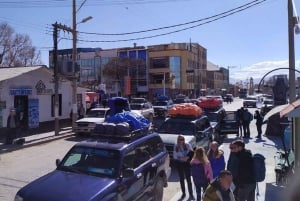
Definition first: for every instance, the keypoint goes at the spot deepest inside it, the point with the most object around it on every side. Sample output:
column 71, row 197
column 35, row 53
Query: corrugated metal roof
column 8, row 73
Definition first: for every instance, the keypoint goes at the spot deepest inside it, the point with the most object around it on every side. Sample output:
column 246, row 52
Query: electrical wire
column 179, row 30
column 177, row 25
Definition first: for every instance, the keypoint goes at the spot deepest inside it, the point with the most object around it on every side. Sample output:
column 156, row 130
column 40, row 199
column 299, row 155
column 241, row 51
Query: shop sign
column 20, row 91
column 41, row 89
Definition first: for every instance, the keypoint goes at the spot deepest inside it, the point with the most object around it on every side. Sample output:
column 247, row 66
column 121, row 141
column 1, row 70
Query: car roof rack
column 126, row 136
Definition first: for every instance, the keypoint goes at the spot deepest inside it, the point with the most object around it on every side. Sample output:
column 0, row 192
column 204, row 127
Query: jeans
column 184, row 172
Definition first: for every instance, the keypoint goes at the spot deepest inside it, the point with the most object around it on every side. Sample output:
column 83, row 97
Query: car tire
column 158, row 190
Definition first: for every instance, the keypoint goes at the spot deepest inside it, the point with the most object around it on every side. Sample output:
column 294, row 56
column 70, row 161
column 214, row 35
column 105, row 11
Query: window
column 161, row 62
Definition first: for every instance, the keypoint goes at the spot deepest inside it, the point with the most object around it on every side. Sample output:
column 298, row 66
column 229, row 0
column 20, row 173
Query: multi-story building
column 167, row 69
column 216, row 79
column 177, row 68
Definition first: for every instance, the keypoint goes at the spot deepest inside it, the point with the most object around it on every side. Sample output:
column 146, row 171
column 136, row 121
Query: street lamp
column 74, row 59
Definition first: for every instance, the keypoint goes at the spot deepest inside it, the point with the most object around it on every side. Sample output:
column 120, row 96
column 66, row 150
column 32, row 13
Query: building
column 165, row 69
column 177, row 68
column 30, row 91
column 216, row 81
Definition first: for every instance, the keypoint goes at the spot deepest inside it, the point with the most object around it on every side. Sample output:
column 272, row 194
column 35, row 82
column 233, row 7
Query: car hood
column 60, row 186
column 172, row 138
column 90, row 120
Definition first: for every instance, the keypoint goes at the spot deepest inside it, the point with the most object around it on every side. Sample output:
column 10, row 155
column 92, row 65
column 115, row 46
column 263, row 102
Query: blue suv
column 107, row 168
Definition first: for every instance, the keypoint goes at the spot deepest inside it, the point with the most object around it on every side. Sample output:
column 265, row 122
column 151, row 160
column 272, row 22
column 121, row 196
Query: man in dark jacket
column 219, row 189
column 245, row 179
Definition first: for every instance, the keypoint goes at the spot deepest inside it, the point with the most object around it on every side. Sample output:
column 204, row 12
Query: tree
column 16, row 49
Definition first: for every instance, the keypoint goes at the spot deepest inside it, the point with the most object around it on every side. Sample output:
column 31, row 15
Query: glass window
column 175, row 66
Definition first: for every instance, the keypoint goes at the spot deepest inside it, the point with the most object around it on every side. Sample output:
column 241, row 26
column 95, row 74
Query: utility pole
column 56, row 103
column 74, row 59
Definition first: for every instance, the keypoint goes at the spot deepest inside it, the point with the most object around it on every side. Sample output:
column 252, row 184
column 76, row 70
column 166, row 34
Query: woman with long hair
column 182, row 156
column 216, row 158
column 201, row 171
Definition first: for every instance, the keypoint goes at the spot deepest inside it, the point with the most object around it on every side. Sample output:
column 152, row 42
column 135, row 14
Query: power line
column 255, row 2
column 179, row 30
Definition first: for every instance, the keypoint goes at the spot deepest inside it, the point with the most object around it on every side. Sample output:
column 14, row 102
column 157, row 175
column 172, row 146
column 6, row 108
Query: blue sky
column 253, row 41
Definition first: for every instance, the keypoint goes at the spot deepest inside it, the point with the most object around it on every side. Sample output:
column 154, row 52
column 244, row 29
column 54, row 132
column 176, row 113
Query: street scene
column 149, row 100
column 24, row 165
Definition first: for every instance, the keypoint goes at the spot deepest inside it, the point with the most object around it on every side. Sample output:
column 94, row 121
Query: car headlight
column 18, row 198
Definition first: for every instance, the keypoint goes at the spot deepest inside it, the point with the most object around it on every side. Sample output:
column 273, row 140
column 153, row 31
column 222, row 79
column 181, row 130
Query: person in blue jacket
column 216, row 158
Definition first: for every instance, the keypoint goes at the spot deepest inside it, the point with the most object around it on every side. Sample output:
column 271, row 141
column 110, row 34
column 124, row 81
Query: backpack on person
column 259, row 167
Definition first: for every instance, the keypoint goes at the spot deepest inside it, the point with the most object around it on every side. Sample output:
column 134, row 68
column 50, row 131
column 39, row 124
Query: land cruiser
column 106, row 168
column 197, row 131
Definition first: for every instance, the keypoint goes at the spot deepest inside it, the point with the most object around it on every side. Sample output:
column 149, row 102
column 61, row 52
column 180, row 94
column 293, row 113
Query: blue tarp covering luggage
column 134, row 120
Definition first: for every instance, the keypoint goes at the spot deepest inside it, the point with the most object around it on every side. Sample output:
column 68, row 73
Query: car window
column 96, row 113
column 184, row 128
column 136, row 107
column 230, row 116
column 86, row 160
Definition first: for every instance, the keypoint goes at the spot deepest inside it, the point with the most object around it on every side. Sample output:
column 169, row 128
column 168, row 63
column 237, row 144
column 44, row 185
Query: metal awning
column 290, row 108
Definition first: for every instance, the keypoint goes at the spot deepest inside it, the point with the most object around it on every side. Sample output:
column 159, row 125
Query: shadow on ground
column 273, row 192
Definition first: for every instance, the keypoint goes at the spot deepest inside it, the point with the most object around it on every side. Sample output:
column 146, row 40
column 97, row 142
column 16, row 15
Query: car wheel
column 158, row 190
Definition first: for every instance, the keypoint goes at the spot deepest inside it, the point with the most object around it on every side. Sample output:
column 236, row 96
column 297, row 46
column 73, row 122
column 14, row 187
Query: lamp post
column 74, row 59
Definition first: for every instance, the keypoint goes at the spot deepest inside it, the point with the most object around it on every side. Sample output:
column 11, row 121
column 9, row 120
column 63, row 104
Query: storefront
column 30, row 91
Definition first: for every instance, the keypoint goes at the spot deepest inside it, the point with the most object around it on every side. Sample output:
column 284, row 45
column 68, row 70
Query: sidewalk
column 32, row 140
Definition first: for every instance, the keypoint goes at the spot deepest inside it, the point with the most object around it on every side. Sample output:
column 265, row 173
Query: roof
column 11, row 72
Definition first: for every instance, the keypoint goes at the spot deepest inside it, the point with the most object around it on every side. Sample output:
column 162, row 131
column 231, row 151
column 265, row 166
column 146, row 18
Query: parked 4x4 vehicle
column 87, row 124
column 161, row 107
column 216, row 117
column 197, row 131
column 111, row 168
column 250, row 101
column 145, row 109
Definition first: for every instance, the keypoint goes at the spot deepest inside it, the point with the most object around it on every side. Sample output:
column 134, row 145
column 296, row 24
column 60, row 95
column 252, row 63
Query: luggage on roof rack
column 118, row 131
column 210, row 103
column 185, row 109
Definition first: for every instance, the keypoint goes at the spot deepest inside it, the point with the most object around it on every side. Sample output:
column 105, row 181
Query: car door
column 229, row 125
column 138, row 160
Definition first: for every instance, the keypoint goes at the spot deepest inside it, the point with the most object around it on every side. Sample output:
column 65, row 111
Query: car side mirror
column 128, row 172
column 57, row 162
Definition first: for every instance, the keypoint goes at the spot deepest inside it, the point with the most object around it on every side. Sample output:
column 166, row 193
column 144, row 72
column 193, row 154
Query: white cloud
column 258, row 70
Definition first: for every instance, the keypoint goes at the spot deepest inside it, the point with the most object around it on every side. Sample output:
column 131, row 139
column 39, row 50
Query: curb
column 34, row 142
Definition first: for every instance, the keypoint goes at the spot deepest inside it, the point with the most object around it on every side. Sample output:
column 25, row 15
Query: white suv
column 87, row 124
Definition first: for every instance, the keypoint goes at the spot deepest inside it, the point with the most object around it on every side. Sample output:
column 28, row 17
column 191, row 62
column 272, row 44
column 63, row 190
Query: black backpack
column 259, row 167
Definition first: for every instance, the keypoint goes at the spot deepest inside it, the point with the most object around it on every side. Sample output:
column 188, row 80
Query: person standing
column 239, row 113
column 247, row 117
column 182, row 155
column 219, row 189
column 81, row 111
column 245, row 179
column 216, row 158
column 201, row 171
column 259, row 123
column 12, row 126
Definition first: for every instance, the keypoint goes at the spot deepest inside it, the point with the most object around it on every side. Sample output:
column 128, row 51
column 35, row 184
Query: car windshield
column 250, row 98
column 269, row 102
column 136, row 106
column 212, row 116
column 138, row 100
column 184, row 128
column 91, row 161
column 160, row 103
column 96, row 113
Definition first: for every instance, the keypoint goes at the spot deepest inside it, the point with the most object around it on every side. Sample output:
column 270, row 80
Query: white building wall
column 31, row 79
